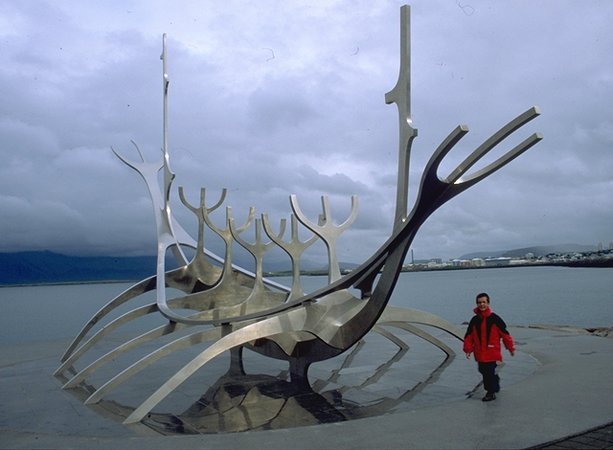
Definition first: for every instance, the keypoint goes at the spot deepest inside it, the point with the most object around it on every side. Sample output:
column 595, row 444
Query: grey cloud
column 311, row 121
column 271, row 110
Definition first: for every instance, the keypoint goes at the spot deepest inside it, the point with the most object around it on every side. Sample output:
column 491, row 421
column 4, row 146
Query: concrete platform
column 560, row 384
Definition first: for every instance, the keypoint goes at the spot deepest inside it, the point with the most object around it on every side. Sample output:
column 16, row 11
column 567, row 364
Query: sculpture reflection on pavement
column 223, row 307
column 376, row 376
column 241, row 402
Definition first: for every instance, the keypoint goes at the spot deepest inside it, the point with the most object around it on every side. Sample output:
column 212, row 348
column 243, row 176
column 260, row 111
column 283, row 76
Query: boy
column 485, row 331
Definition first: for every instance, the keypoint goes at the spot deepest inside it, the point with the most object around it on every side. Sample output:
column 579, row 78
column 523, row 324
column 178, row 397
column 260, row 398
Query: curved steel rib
column 402, row 318
column 105, row 330
column 394, row 314
column 183, row 342
column 233, row 340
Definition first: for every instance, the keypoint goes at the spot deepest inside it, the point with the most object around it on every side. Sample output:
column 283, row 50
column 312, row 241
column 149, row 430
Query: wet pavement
column 555, row 394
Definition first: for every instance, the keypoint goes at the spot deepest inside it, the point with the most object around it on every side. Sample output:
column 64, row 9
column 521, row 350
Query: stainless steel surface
column 326, row 230
column 294, row 249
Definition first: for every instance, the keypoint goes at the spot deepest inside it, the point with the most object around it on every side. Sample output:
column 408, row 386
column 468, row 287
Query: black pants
column 491, row 381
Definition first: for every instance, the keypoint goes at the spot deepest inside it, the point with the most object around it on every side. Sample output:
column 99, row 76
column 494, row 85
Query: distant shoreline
column 600, row 263
column 603, row 263
column 67, row 283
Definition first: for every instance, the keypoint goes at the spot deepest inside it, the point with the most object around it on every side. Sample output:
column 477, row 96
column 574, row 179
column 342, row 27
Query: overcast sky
column 272, row 98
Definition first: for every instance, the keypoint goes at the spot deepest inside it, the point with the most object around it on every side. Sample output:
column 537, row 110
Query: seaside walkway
column 564, row 402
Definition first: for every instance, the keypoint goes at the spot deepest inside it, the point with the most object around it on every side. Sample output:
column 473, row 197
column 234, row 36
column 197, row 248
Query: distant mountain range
column 536, row 251
column 46, row 267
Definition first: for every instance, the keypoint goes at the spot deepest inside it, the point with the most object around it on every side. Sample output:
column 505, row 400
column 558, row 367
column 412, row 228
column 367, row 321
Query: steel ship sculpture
column 226, row 308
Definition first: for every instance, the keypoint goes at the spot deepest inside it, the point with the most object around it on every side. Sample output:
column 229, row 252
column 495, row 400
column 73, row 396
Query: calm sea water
column 522, row 296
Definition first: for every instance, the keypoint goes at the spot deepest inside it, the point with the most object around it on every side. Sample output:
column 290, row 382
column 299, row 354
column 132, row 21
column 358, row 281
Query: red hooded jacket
column 483, row 336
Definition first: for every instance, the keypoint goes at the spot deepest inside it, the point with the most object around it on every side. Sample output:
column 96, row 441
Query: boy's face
column 482, row 303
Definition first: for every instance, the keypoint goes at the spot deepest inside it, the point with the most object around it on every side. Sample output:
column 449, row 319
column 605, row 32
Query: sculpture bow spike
column 401, row 96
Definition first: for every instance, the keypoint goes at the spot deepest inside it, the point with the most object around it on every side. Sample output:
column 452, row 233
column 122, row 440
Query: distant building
column 478, row 262
column 461, row 263
column 497, row 262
